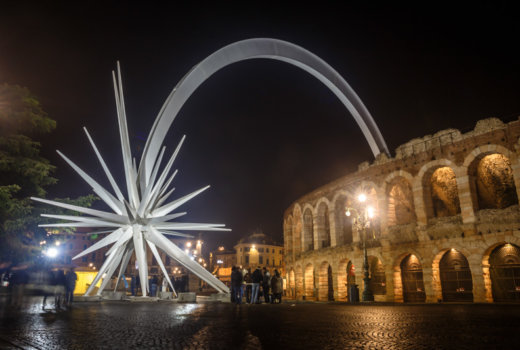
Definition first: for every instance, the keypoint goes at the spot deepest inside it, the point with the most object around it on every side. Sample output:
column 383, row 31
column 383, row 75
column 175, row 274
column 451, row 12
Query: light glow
column 362, row 198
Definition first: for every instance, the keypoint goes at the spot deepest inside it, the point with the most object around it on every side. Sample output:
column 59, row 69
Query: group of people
column 40, row 280
column 252, row 285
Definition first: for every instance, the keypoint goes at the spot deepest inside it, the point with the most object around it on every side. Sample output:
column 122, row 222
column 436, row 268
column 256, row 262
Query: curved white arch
column 258, row 48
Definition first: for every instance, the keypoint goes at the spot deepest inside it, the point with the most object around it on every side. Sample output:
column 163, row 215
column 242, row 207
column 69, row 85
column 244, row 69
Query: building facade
column 446, row 224
column 259, row 250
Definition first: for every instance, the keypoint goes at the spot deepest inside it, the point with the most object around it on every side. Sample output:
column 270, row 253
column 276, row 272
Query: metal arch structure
column 251, row 49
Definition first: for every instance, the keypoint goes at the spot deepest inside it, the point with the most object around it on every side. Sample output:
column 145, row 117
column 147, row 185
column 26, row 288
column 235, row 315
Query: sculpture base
column 222, row 297
column 187, row 298
column 108, row 295
column 84, row 298
column 143, row 299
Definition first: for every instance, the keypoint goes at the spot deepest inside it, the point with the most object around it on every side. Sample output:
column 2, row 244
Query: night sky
column 260, row 132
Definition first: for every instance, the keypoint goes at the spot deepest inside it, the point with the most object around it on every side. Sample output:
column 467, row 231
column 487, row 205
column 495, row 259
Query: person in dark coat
column 256, row 278
column 266, row 286
column 276, row 287
column 71, row 277
column 236, row 284
column 59, row 289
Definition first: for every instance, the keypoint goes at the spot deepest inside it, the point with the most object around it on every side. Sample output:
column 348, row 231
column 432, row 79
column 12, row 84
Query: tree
column 23, row 172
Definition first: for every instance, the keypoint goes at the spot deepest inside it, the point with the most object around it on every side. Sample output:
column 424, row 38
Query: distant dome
column 258, row 238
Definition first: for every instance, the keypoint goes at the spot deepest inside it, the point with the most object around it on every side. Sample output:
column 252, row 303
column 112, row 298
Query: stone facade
column 446, row 209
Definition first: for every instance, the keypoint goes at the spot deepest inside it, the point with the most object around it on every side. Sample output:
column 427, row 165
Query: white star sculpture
column 141, row 219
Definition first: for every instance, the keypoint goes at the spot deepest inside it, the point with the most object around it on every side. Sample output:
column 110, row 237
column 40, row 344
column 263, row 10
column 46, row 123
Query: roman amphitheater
column 447, row 223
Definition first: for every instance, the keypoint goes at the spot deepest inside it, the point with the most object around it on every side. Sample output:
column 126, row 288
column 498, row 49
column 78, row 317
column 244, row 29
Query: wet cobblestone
column 164, row 325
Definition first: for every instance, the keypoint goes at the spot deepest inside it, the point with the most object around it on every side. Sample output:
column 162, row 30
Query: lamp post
column 362, row 222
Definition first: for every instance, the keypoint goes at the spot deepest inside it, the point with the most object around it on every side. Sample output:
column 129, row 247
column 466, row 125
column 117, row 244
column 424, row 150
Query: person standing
column 59, row 289
column 277, row 287
column 71, row 277
column 153, row 286
column 266, row 286
column 236, row 284
column 257, row 278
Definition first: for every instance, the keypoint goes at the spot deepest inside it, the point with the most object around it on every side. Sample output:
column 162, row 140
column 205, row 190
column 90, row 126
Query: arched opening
column 401, row 209
column 412, row 280
column 343, row 222
column 308, row 230
column 297, row 234
column 504, row 270
column 441, row 193
column 455, row 275
column 292, row 284
column 326, row 287
column 377, row 276
column 323, row 226
column 289, row 237
column 330, row 284
column 493, row 182
column 309, row 282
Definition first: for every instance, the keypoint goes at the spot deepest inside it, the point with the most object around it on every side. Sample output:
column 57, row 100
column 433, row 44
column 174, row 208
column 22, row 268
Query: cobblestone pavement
column 166, row 325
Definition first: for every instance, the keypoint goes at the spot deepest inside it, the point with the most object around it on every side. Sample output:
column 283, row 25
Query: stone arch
column 342, row 280
column 289, row 236
column 323, row 224
column 491, row 178
column 309, row 281
column 325, row 285
column 440, row 190
column 452, row 277
column 400, row 202
column 251, row 49
column 299, row 281
column 342, row 222
column 503, row 264
column 308, row 228
column 297, row 230
column 399, row 282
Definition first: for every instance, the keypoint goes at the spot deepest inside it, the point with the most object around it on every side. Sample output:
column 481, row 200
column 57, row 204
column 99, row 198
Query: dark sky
column 261, row 132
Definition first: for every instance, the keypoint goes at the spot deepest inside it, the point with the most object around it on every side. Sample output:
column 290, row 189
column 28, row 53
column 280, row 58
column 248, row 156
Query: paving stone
column 125, row 325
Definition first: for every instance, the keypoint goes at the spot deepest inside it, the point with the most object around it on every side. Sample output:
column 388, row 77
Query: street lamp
column 362, row 222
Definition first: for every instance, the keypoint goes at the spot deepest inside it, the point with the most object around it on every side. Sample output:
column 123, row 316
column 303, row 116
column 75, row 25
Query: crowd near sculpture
column 143, row 217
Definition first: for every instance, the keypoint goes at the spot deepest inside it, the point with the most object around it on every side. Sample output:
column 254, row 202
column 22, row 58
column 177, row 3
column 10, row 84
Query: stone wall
column 450, row 190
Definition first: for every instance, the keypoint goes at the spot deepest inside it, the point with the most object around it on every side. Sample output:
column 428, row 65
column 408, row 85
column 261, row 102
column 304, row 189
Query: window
column 83, row 237
column 247, row 249
column 273, row 250
column 70, row 246
column 241, row 260
column 84, row 259
column 93, row 256
column 260, row 260
column 260, row 250
column 247, row 259
column 74, row 237
column 240, row 249
column 267, row 261
column 281, row 252
column 69, row 259
column 84, row 246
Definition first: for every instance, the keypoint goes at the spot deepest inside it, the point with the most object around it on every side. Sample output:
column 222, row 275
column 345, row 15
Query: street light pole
column 362, row 222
